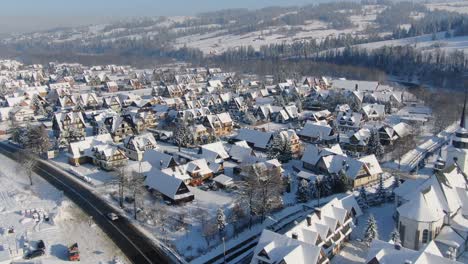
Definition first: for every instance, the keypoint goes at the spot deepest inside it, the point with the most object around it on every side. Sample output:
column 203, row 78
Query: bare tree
column 27, row 163
column 136, row 184
column 122, row 180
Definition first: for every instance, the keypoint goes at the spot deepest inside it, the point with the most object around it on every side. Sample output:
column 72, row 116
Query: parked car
column 34, row 254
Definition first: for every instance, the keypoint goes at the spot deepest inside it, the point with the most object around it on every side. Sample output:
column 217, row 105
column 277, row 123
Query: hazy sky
column 29, row 15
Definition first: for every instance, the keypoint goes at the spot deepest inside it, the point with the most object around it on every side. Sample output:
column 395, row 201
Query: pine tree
column 374, row 146
column 182, row 136
column 395, row 236
column 371, row 232
column 285, row 154
column 381, row 193
column 362, row 199
column 303, row 192
column 274, row 148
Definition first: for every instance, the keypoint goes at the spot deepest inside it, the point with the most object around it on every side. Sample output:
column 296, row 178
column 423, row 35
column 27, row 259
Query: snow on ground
column 459, row 7
column 424, row 42
column 67, row 223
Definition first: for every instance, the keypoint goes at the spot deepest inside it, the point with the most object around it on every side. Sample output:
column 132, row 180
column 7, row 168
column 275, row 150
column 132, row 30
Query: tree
column 303, row 191
column 182, row 135
column 395, row 236
column 262, row 190
column 280, row 148
column 221, row 221
column 237, row 216
column 122, row 180
column 362, row 198
column 381, row 193
column 27, row 162
column 137, row 187
column 371, row 231
column 37, row 139
column 374, row 146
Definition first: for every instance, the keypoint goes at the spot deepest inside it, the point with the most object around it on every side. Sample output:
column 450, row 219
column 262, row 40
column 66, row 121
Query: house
column 81, row 152
column 276, row 248
column 111, row 87
column 135, row 146
column 119, row 127
column 348, row 120
column 170, row 186
column 69, row 126
column 20, row 114
column 356, row 141
column 332, row 161
column 108, row 157
column 381, row 252
column 324, row 232
column 255, row 138
column 159, row 159
column 213, row 152
column 113, row 103
column 317, row 132
column 295, row 143
column 198, row 170
column 223, row 181
column 389, row 134
column 219, row 124
column 241, row 152
column 373, row 111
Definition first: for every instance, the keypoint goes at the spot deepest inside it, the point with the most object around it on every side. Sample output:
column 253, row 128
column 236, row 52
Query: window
column 425, row 236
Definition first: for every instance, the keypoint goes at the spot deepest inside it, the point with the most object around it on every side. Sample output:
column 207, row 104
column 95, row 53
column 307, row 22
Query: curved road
column 135, row 245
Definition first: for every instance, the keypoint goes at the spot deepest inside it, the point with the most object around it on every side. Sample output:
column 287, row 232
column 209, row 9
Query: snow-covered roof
column 158, row 159
column 214, row 152
column 165, row 184
column 223, row 180
column 259, row 139
column 316, row 130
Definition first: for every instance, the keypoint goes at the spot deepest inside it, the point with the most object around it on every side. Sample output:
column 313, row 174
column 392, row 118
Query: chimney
column 356, row 87
column 309, row 220
column 408, row 262
column 294, row 236
column 161, row 164
column 318, row 212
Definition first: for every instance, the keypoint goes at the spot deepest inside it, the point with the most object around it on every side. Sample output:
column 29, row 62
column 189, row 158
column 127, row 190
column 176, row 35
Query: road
column 136, row 246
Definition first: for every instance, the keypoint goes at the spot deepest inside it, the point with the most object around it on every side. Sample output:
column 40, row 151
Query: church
column 435, row 210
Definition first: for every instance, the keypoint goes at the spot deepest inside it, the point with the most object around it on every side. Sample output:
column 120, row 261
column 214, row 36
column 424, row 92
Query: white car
column 112, row 216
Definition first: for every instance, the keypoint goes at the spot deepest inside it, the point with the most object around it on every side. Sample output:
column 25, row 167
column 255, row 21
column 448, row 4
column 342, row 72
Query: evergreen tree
column 280, row 148
column 395, row 236
column 381, row 193
column 371, row 231
column 374, row 146
column 303, row 192
column 285, row 154
column 182, row 135
column 362, row 198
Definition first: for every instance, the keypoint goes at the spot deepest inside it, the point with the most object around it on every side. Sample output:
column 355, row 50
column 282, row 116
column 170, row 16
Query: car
column 112, row 216
column 41, row 245
column 34, row 254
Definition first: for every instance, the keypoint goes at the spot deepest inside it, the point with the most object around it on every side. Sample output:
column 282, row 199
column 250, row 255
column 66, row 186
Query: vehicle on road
column 112, row 216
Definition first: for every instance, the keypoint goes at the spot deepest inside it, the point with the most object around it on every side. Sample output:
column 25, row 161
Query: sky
column 31, row 15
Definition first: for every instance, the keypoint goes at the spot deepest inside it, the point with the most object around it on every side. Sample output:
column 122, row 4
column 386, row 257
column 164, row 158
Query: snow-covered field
column 459, row 7
column 67, row 223
column 424, row 42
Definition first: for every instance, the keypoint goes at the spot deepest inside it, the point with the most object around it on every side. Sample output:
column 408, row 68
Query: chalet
column 255, row 138
column 69, row 126
column 111, row 87
column 20, row 114
column 135, row 146
column 219, row 124
column 213, row 152
column 119, row 127
column 67, row 101
column 198, row 170
column 291, row 136
column 81, row 152
column 108, row 157
column 170, row 186
column 389, row 134
column 159, row 160
column 89, row 101
column 113, row 103
column 349, row 121
column 173, row 91
column 317, row 132
column 373, row 111
column 356, row 141
column 241, row 152
column 237, row 105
